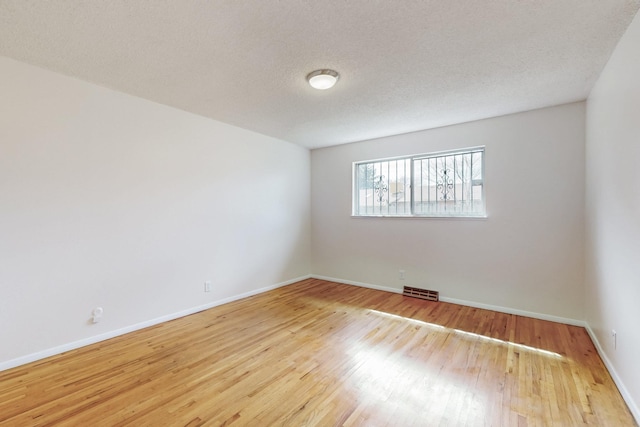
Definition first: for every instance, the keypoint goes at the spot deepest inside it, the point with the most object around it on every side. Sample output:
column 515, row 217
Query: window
column 445, row 184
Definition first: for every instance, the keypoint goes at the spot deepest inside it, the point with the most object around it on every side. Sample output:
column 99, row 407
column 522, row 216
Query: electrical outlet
column 401, row 274
column 207, row 286
column 614, row 336
column 96, row 314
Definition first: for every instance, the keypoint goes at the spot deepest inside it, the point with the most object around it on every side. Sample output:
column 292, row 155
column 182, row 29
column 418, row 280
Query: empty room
column 348, row 213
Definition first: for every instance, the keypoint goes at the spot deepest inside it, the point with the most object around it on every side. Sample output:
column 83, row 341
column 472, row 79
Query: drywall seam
column 112, row 334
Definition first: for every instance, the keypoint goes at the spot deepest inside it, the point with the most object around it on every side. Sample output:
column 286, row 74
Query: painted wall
column 613, row 214
column 527, row 255
column 113, row 201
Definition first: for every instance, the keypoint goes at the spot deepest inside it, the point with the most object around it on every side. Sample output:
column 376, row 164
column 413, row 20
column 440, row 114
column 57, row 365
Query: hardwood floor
column 318, row 353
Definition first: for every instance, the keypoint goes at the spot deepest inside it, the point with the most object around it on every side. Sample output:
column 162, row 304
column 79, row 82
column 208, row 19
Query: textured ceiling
column 404, row 65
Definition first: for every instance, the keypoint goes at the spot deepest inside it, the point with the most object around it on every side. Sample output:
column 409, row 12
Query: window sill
column 456, row 217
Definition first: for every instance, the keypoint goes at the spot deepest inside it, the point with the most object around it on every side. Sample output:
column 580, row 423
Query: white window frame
column 434, row 208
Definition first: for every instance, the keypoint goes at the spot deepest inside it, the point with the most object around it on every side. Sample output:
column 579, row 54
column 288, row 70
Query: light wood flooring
column 317, row 353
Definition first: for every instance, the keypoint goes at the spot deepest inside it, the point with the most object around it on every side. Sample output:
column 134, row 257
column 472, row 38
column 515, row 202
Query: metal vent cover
column 421, row 293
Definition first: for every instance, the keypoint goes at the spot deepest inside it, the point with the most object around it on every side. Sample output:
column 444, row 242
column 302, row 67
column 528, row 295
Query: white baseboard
column 635, row 411
column 360, row 284
column 112, row 334
column 500, row 309
column 532, row 314
column 633, row 407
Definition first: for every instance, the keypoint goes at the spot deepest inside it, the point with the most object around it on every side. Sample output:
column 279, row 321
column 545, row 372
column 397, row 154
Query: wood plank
column 322, row 353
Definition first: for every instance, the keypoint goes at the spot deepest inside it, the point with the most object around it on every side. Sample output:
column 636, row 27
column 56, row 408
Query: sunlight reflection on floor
column 407, row 388
column 469, row 334
column 411, row 391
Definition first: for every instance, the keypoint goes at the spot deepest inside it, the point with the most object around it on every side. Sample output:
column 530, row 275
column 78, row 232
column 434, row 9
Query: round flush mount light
column 322, row 79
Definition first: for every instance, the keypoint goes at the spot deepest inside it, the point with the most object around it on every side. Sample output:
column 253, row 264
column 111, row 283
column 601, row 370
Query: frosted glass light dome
column 323, row 79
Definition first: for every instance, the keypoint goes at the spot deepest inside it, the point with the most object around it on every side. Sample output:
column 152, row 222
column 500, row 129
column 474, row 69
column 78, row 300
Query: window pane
column 448, row 184
column 383, row 188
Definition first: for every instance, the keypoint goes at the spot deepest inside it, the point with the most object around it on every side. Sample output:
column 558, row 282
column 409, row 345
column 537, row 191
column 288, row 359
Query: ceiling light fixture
column 322, row 79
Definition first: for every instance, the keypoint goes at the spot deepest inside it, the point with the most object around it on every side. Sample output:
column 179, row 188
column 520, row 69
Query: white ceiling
column 405, row 65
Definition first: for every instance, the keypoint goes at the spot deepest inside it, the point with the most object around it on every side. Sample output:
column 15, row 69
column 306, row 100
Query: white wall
column 613, row 214
column 110, row 200
column 526, row 256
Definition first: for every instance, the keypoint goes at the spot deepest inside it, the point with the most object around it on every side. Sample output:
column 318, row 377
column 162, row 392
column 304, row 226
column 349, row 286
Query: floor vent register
column 421, row 293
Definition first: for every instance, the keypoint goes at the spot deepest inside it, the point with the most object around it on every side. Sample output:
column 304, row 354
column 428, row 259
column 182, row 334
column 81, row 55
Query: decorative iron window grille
column 444, row 184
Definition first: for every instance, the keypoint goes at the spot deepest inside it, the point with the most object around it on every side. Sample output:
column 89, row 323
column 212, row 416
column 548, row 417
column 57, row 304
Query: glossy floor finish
column 317, row 353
